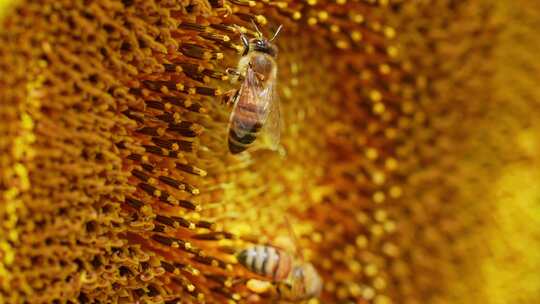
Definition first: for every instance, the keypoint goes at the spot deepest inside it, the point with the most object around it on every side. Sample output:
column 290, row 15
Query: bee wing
column 297, row 251
column 272, row 127
column 246, row 106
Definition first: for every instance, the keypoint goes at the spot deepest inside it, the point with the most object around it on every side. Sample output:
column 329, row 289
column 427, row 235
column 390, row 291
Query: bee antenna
column 276, row 32
column 256, row 28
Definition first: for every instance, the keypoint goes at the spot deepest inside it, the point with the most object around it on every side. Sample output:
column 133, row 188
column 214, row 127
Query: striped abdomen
column 266, row 261
column 244, row 127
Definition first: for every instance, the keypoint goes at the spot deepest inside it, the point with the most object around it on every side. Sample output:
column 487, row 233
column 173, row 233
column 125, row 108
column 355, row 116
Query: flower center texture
column 392, row 177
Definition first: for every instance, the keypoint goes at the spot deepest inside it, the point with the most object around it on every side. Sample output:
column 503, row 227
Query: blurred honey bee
column 256, row 103
column 294, row 279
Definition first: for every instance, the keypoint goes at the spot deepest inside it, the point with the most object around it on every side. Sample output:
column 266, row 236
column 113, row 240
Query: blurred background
column 408, row 169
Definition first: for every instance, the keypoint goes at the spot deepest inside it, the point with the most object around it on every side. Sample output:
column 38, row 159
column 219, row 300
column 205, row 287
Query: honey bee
column 256, row 103
column 294, row 279
column 267, row 261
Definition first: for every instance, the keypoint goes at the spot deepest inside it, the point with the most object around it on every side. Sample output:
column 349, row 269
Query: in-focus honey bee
column 294, row 279
column 256, row 102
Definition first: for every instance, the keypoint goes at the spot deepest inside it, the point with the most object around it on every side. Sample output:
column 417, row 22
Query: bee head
column 306, row 281
column 264, row 46
column 261, row 44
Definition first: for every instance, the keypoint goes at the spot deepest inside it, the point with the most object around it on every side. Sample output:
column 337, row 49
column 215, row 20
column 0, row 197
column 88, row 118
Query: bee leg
column 245, row 42
column 234, row 73
column 228, row 98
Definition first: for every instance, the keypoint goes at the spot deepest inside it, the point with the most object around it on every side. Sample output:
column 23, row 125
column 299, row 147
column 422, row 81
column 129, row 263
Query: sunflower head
column 117, row 184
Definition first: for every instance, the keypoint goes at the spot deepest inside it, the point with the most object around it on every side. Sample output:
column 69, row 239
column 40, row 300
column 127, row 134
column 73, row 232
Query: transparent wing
column 245, row 115
column 273, row 123
column 289, row 241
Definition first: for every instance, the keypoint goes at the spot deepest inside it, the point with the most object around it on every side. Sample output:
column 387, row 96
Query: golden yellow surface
column 4, row 6
column 409, row 167
column 514, row 233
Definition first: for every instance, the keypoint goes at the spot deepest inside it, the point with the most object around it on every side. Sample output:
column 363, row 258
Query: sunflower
column 403, row 174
